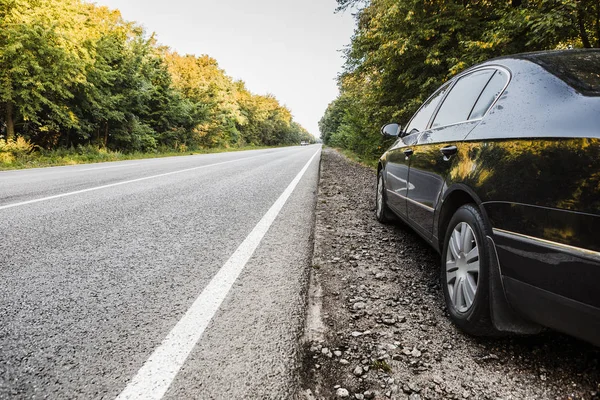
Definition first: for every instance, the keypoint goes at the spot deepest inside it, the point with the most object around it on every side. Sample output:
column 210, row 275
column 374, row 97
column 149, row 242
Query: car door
column 399, row 155
column 438, row 148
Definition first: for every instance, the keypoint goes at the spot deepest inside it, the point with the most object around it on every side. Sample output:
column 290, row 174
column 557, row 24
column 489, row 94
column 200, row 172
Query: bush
column 19, row 147
column 13, row 150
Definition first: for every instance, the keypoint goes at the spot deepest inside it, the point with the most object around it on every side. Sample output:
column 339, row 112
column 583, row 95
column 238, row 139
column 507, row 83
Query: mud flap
column 504, row 318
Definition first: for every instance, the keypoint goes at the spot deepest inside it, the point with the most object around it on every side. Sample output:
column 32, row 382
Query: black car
column 499, row 171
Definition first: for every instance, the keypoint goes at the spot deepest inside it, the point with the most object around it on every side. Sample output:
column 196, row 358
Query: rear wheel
column 465, row 272
column 382, row 211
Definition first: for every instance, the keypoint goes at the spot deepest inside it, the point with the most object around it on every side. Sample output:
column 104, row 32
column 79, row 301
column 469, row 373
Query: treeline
column 76, row 74
column 402, row 50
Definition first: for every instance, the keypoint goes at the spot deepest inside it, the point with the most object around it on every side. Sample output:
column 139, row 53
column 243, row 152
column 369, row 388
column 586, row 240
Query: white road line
column 156, row 375
column 112, row 166
column 123, row 183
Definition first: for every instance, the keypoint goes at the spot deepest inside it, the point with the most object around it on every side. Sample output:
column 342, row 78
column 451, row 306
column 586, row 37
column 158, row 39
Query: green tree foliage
column 73, row 73
column 402, row 50
column 42, row 57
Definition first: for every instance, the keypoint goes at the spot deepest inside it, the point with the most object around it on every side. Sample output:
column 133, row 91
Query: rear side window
column 460, row 101
column 419, row 121
column 489, row 94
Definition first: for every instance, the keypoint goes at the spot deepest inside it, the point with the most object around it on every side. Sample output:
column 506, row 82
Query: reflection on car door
column 397, row 174
column 438, row 149
column 399, row 155
column 428, row 171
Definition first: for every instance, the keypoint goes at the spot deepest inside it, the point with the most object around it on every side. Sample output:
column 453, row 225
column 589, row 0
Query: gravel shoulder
column 377, row 326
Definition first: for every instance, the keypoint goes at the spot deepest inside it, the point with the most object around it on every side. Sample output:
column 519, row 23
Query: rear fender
column 504, row 317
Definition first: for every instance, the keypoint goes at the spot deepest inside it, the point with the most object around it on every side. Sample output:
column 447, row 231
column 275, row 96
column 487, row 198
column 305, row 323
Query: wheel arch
column 452, row 199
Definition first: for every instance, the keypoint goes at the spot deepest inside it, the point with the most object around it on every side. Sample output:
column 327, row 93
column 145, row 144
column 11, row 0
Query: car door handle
column 449, row 151
column 408, row 152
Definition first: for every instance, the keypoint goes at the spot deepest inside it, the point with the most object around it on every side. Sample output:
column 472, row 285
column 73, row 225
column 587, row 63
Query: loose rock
column 380, row 285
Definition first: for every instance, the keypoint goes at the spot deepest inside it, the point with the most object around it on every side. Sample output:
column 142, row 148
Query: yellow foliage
column 6, row 158
column 16, row 147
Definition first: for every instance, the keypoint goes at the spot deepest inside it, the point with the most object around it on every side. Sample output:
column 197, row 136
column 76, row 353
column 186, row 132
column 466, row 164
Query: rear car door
column 439, row 148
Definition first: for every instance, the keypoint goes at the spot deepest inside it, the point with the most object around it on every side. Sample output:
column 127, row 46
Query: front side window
column 460, row 101
column 420, row 120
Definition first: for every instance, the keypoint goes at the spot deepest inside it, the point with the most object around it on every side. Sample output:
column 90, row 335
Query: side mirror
column 391, row 130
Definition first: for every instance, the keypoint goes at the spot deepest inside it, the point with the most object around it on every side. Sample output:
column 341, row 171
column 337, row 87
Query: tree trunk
column 598, row 23
column 582, row 32
column 106, row 135
column 10, row 122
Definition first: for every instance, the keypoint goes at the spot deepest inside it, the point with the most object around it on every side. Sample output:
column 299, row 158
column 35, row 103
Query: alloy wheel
column 462, row 267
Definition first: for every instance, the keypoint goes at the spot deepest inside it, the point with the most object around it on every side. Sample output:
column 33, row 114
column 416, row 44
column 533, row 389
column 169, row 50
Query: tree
column 402, row 50
column 76, row 74
column 200, row 80
column 42, row 55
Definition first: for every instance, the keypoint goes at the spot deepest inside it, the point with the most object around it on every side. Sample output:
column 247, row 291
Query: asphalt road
column 100, row 263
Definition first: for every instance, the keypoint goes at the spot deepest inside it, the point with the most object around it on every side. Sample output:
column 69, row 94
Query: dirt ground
column 377, row 325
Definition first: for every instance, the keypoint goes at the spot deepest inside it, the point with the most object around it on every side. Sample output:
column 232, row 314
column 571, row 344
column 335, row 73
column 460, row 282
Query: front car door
column 396, row 171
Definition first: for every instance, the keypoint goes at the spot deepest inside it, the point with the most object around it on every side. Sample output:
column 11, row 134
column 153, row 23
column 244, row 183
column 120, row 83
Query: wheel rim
column 462, row 267
column 379, row 196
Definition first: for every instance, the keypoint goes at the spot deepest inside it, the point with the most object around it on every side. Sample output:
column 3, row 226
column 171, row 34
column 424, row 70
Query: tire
column 382, row 211
column 465, row 272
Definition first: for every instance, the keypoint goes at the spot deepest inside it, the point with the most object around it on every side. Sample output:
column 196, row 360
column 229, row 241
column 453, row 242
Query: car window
column 460, row 101
column 419, row 121
column 489, row 94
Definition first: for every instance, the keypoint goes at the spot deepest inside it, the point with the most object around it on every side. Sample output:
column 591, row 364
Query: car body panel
column 565, row 271
column 429, row 169
column 554, row 311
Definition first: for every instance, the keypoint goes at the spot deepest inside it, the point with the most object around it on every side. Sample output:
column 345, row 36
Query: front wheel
column 465, row 272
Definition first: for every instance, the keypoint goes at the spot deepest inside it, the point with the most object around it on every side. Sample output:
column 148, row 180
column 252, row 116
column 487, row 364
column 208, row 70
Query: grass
column 381, row 366
column 90, row 154
column 370, row 162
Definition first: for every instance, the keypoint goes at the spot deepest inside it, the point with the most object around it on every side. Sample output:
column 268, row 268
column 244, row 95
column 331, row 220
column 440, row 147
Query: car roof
column 579, row 68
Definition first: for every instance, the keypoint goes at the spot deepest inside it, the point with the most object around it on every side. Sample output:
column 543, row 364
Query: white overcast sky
column 289, row 48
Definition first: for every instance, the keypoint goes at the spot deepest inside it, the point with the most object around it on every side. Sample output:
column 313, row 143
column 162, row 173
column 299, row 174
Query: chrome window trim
column 508, row 73
column 454, row 123
column 450, row 84
column 459, row 77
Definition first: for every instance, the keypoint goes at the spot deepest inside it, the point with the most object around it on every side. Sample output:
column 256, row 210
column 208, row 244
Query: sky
column 288, row 48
